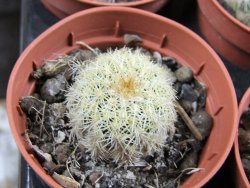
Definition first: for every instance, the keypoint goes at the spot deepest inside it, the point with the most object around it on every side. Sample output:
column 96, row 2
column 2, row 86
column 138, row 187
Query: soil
column 71, row 165
column 244, row 141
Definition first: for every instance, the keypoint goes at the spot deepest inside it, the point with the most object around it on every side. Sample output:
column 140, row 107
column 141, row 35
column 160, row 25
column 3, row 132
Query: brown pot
column 106, row 28
column 240, row 175
column 226, row 34
column 63, row 8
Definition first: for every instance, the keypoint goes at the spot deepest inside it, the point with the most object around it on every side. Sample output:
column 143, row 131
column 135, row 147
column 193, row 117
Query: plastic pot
column 240, row 175
column 63, row 8
column 106, row 28
column 226, row 34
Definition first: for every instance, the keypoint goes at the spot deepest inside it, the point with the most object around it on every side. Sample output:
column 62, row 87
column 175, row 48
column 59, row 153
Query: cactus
column 121, row 105
column 241, row 10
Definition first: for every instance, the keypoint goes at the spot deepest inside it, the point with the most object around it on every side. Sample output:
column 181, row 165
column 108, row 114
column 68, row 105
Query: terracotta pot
column 63, row 8
column 240, row 175
column 106, row 28
column 226, row 34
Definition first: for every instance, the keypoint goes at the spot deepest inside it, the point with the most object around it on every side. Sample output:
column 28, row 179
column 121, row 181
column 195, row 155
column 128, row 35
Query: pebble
column 43, row 156
column 184, row 74
column 54, row 115
column 130, row 175
column 203, row 121
column 57, row 109
column 177, row 87
column 170, row 62
column 146, row 52
column 66, row 173
column 78, row 173
column 50, row 166
column 157, row 58
column 36, row 95
column 82, row 55
column 93, row 177
column 196, row 145
column 201, row 89
column 171, row 184
column 89, row 164
column 62, row 152
column 186, row 105
column 194, row 106
column 54, row 67
column 131, row 40
column 47, row 147
column 188, row 93
column 60, row 137
column 104, row 184
column 149, row 158
column 189, row 161
column 60, row 169
column 143, row 180
column 31, row 105
column 36, row 74
column 52, row 89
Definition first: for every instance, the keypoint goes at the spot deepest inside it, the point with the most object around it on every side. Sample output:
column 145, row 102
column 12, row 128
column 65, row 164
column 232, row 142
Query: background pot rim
column 63, row 8
column 135, row 3
column 244, row 103
column 222, row 31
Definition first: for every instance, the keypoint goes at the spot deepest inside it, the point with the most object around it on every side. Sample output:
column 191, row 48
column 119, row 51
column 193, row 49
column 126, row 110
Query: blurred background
column 9, row 50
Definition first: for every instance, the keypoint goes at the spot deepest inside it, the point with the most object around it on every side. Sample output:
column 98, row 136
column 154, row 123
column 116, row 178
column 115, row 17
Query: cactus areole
column 121, row 105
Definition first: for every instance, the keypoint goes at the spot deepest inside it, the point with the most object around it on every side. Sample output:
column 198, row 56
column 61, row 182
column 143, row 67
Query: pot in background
column 225, row 33
column 106, row 28
column 241, row 180
column 63, row 8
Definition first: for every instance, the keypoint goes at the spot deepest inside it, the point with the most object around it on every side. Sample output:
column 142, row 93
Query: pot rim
column 244, row 103
column 135, row 3
column 36, row 41
column 231, row 17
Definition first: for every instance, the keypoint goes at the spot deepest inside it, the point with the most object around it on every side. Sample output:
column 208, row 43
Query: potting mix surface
column 108, row 151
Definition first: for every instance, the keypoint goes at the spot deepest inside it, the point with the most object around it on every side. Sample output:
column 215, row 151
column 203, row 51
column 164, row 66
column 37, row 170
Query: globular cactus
column 241, row 9
column 122, row 105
